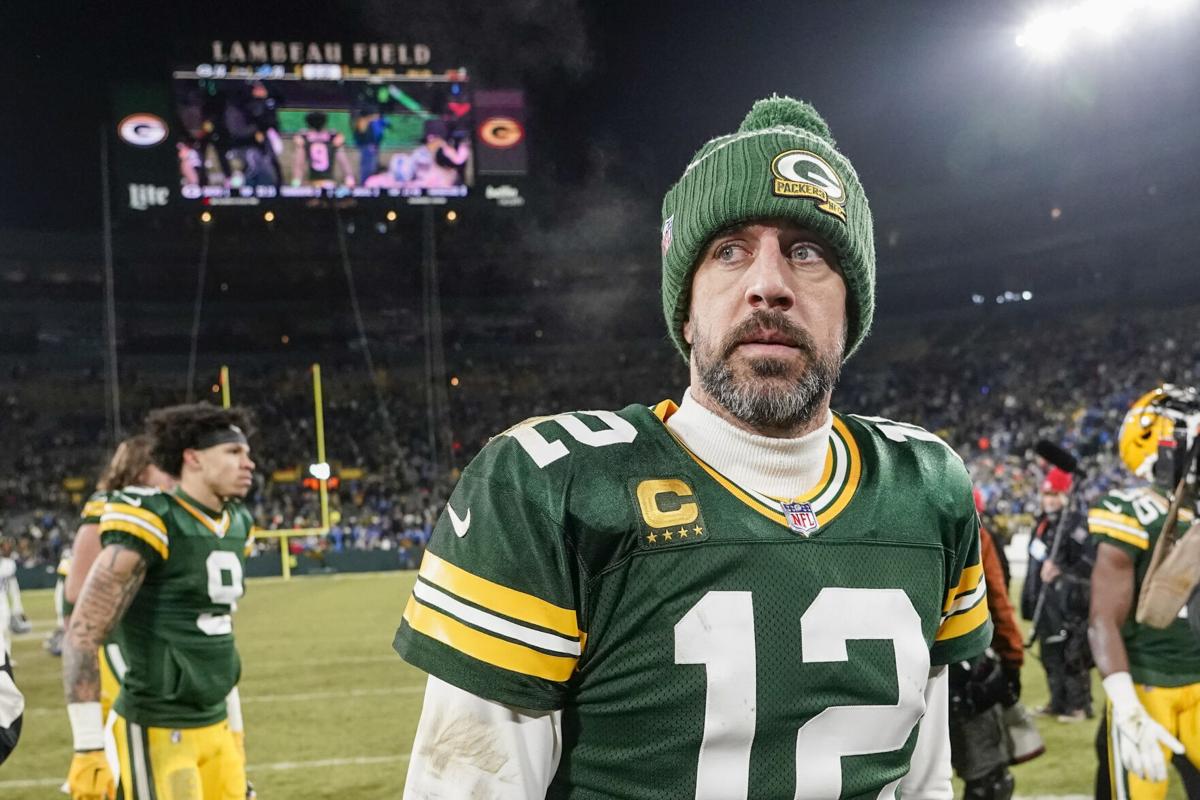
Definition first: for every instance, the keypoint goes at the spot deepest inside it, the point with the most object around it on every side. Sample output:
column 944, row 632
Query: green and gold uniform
column 1164, row 663
column 704, row 641
column 177, row 636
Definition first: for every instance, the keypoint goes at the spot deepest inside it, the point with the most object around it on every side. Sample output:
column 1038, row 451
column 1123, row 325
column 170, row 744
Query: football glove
column 1140, row 739
column 90, row 777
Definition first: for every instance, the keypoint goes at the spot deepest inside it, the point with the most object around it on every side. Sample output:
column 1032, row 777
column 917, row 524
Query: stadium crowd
column 991, row 385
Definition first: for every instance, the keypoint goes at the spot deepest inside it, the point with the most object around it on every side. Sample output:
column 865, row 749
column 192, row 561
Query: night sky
column 930, row 99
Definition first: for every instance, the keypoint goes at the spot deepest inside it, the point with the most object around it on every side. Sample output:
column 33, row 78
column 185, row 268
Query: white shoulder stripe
column 970, row 600
column 1104, row 522
column 490, row 622
column 141, row 523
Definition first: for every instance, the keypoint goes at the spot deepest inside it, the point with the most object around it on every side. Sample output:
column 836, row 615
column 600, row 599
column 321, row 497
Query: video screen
column 284, row 135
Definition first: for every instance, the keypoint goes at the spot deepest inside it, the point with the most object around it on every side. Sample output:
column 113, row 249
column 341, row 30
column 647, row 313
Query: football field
column 331, row 709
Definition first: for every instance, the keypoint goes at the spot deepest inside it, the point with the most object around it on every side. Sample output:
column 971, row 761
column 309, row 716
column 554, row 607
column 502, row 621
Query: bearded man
column 745, row 595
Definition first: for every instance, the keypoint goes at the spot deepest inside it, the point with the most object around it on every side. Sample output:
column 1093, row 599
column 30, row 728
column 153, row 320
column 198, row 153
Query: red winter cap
column 1057, row 481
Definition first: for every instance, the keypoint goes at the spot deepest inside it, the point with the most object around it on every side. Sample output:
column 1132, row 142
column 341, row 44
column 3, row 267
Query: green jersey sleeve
column 1114, row 521
column 135, row 520
column 966, row 628
column 494, row 610
column 93, row 508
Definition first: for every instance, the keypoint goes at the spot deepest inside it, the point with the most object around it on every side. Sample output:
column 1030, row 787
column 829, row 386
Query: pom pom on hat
column 776, row 111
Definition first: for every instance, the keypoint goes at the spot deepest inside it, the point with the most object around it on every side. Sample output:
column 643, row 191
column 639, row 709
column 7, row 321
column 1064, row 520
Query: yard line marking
column 275, row 698
column 278, row 766
column 32, row 783
column 358, row 761
column 279, row 698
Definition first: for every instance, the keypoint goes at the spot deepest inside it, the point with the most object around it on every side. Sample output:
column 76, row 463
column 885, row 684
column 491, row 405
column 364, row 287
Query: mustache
column 773, row 321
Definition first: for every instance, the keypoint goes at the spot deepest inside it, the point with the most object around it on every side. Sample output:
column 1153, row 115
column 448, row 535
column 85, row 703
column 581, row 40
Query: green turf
column 331, row 710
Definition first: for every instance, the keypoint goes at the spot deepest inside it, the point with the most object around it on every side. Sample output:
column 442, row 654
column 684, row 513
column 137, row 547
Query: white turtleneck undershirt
column 767, row 465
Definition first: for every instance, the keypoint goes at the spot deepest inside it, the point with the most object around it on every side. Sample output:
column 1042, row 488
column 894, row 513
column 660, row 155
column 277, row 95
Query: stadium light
column 1045, row 35
column 1049, row 32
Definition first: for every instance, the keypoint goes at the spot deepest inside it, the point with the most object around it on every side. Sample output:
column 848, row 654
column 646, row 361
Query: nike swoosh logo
column 460, row 524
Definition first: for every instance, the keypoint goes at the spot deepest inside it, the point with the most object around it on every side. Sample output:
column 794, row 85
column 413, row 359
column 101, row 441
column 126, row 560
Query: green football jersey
column 704, row 641
column 1132, row 520
column 177, row 635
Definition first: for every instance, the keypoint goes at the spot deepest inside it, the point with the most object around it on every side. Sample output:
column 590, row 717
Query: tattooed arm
column 114, row 579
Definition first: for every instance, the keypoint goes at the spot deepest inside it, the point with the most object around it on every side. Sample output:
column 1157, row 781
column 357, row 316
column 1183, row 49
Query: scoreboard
column 385, row 127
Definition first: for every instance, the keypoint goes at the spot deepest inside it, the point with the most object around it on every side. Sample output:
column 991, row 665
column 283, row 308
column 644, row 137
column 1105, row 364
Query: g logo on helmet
column 501, row 132
column 142, row 130
column 799, row 173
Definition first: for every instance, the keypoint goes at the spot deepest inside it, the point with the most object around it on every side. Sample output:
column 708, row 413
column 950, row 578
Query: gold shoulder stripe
column 133, row 511
column 968, row 581
column 1100, row 515
column 489, row 649
column 964, row 623
column 497, row 598
column 136, row 530
column 1140, row 542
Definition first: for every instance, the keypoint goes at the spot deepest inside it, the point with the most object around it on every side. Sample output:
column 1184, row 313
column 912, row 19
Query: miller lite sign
column 800, row 517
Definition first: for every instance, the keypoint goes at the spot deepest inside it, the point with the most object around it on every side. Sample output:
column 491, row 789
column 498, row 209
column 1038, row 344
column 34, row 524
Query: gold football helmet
column 1164, row 421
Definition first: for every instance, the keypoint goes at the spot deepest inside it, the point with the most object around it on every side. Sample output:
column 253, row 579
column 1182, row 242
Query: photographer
column 1059, row 572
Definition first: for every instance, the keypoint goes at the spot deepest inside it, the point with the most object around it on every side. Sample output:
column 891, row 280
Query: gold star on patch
column 666, row 536
column 699, row 531
column 652, row 538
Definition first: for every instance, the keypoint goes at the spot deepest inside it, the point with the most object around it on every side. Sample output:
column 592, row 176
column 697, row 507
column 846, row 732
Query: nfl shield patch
column 801, row 518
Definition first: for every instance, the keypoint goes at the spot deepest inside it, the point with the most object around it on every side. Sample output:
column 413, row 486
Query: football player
column 130, row 465
column 319, row 148
column 166, row 580
column 1151, row 675
column 745, row 595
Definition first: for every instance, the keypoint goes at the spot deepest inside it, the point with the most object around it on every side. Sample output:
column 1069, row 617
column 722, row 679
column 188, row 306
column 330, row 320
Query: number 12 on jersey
column 718, row 632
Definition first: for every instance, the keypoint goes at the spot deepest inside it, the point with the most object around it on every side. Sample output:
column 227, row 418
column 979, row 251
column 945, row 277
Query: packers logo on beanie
column 781, row 163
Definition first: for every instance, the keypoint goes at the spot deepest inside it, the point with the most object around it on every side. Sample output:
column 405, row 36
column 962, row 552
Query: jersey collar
column 829, row 497
column 203, row 514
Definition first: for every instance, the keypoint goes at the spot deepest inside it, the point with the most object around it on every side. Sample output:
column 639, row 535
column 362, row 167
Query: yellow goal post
column 284, row 534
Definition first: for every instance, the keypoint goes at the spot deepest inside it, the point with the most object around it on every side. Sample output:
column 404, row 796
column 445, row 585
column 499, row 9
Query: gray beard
column 763, row 400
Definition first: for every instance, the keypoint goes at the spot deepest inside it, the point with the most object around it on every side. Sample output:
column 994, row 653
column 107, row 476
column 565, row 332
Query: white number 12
column 719, row 632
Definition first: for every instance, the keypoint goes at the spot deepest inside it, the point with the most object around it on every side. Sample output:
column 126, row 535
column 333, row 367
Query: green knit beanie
column 782, row 162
